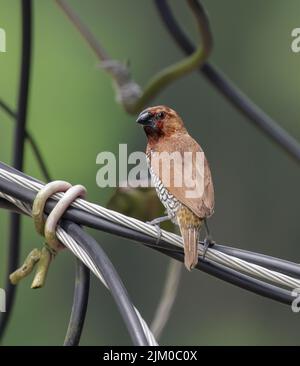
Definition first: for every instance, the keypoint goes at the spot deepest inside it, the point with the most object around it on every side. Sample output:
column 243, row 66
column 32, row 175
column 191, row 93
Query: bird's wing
column 186, row 173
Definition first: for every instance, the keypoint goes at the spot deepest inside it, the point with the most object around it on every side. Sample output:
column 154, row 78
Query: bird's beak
column 146, row 119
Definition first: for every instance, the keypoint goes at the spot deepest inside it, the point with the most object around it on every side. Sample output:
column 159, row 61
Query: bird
column 167, row 136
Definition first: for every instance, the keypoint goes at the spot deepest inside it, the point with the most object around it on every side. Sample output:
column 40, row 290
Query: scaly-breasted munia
column 189, row 200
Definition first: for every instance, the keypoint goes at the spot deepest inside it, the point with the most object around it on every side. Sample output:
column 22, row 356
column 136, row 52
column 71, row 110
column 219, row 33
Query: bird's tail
column 189, row 225
column 190, row 240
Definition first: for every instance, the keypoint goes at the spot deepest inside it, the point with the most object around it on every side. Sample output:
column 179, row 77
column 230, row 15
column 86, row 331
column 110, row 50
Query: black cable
column 112, row 279
column 217, row 270
column 277, row 264
column 230, row 91
column 9, row 206
column 79, row 307
column 239, row 279
column 18, row 172
column 87, row 219
column 18, row 157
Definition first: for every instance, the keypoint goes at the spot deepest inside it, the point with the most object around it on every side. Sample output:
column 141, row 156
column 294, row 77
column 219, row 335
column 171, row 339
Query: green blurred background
column 73, row 114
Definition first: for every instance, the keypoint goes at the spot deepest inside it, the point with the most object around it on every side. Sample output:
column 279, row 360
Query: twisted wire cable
column 16, row 191
column 213, row 255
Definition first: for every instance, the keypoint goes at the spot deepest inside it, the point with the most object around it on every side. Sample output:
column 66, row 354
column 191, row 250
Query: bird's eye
column 161, row 115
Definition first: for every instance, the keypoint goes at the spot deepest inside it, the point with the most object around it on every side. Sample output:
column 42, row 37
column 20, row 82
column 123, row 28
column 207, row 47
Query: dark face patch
column 159, row 121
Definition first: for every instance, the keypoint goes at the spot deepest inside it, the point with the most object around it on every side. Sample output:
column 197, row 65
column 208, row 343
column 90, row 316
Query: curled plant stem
column 163, row 78
column 181, row 68
column 127, row 90
column 41, row 258
column 42, row 268
column 27, row 267
column 129, row 93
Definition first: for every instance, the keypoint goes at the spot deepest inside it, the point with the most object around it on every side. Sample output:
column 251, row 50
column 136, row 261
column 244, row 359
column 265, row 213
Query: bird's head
column 160, row 121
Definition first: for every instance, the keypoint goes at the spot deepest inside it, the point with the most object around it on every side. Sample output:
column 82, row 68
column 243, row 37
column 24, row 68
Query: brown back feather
column 202, row 206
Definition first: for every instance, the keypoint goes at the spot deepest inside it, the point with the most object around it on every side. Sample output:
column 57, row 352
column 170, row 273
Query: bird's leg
column 208, row 241
column 158, row 220
column 156, row 223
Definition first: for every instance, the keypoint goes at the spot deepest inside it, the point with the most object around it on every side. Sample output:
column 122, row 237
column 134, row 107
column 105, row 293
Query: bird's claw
column 208, row 243
column 156, row 222
column 158, row 229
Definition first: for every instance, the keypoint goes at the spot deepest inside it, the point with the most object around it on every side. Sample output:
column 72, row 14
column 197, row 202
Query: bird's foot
column 156, row 222
column 208, row 243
